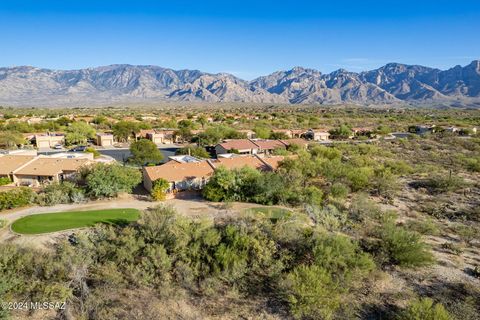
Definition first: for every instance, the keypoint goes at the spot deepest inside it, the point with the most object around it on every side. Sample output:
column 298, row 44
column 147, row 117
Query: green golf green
column 50, row 222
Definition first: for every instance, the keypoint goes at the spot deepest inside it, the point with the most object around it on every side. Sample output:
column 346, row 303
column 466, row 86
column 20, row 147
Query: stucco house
column 317, row 134
column 181, row 176
column 45, row 169
column 48, row 140
column 104, row 139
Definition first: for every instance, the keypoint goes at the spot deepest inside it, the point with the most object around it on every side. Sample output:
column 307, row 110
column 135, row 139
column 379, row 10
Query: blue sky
column 247, row 38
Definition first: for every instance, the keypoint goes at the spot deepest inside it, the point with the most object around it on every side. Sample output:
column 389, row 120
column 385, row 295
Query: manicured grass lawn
column 50, row 222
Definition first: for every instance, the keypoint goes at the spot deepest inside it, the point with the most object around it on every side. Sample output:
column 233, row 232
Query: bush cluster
column 311, row 272
column 14, row 198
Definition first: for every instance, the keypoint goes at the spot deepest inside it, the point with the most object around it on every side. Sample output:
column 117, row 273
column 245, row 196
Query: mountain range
column 393, row 83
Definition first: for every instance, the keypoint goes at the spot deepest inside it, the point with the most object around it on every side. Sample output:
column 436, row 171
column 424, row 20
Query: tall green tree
column 123, row 130
column 341, row 132
column 194, row 151
column 106, row 180
column 11, row 140
column 144, row 152
column 79, row 132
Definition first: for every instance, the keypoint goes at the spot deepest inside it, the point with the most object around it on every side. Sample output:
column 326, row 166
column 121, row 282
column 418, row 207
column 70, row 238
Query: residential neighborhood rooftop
column 50, row 166
column 240, row 162
column 9, row 163
column 238, row 144
column 174, row 171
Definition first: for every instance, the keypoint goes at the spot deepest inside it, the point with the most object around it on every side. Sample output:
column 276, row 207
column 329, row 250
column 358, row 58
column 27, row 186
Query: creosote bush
column 424, row 309
column 402, row 247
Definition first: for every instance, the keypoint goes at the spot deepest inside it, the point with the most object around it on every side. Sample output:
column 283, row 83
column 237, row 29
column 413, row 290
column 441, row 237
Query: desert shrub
column 476, row 272
column 312, row 195
column 341, row 257
column 441, row 183
column 311, row 293
column 105, row 180
column 14, row 198
column 5, row 181
column 466, row 233
column 473, row 164
column 281, row 152
column 399, row 167
column 94, row 151
column 329, row 216
column 60, row 192
column 159, row 190
column 362, row 208
column 424, row 309
column 250, row 185
column 403, row 247
column 3, row 223
column 359, row 178
column 326, row 152
column 427, row 227
column 452, row 247
column 339, row 190
column 384, row 182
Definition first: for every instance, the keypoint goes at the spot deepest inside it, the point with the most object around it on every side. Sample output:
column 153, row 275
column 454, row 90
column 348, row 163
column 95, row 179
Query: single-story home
column 194, row 175
column 181, row 176
column 317, row 134
column 241, row 146
column 157, row 136
column 10, row 163
column 46, row 169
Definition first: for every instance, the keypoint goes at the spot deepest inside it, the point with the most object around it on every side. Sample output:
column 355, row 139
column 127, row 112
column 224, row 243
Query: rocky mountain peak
column 392, row 83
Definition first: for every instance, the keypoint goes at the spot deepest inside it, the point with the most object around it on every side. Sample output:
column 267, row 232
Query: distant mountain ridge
column 393, row 83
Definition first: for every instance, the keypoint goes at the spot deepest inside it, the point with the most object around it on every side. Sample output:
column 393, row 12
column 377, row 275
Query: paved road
column 121, row 154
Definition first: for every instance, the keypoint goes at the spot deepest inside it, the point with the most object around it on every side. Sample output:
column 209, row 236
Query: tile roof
column 51, row 166
column 10, row 163
column 240, row 162
column 174, row 171
column 269, row 144
column 274, row 161
column 239, row 144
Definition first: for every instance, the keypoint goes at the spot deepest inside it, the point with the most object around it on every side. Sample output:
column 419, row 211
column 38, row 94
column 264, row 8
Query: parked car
column 58, row 146
column 78, row 149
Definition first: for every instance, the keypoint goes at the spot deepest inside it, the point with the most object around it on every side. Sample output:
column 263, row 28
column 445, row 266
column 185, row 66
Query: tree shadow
column 117, row 222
